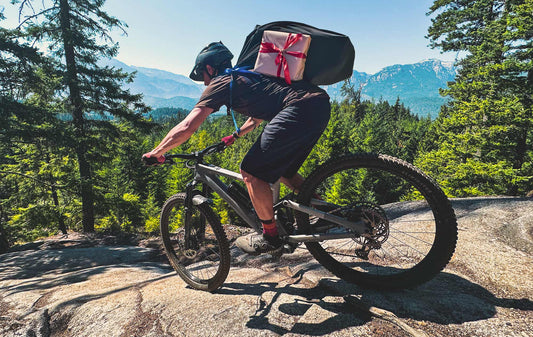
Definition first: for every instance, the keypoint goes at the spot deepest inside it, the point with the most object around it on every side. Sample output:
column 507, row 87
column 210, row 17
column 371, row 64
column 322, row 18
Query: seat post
column 275, row 191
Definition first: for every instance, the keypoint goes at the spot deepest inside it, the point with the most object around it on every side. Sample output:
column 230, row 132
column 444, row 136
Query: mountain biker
column 297, row 115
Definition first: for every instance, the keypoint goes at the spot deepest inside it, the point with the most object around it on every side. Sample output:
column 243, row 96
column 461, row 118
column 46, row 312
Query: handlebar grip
column 151, row 161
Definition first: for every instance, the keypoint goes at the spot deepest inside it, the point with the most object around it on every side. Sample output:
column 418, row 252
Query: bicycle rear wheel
column 411, row 226
column 197, row 250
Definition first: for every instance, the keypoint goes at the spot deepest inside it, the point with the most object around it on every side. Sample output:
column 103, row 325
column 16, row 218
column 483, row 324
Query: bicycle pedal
column 362, row 253
column 277, row 253
column 289, row 248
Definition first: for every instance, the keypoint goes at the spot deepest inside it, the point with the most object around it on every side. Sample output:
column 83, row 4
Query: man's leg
column 294, row 183
column 261, row 196
column 280, row 150
column 261, row 193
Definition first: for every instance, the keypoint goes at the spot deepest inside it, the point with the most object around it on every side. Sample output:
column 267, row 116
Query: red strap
column 281, row 61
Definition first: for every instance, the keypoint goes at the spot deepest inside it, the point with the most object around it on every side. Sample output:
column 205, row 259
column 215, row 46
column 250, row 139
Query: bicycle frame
column 207, row 174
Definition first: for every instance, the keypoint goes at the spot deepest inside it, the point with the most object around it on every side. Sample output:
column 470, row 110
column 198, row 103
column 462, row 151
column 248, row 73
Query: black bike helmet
column 215, row 54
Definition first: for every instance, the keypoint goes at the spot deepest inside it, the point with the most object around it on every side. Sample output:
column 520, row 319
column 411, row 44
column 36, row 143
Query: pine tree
column 27, row 121
column 484, row 136
column 79, row 35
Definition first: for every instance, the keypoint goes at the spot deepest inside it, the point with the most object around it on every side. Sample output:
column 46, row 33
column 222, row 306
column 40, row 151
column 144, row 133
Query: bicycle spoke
column 405, row 244
column 414, row 237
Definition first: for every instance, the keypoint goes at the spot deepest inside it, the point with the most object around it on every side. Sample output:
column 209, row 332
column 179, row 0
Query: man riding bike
column 297, row 115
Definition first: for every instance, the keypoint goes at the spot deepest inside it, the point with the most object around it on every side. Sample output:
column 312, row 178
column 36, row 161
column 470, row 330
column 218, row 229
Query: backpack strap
column 233, row 72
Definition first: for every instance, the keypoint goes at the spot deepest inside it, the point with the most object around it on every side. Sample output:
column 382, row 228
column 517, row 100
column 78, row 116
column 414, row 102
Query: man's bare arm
column 181, row 132
column 250, row 124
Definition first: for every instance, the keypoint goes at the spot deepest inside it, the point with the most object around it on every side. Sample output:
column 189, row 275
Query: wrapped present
column 283, row 55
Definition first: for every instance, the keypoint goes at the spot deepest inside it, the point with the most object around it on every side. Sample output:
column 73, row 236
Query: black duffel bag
column 329, row 60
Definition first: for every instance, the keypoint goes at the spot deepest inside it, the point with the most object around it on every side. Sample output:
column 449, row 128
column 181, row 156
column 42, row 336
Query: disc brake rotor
column 189, row 253
column 378, row 228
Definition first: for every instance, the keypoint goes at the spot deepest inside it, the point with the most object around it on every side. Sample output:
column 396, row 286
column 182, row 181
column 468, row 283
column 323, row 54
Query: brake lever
column 221, row 147
column 215, row 148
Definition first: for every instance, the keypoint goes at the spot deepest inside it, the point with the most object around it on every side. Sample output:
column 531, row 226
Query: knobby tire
column 364, row 176
column 204, row 264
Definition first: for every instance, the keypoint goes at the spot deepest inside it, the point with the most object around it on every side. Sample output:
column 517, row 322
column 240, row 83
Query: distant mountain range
column 417, row 85
column 161, row 88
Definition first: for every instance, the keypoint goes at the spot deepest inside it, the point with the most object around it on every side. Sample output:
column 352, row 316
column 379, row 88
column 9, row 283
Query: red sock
column 269, row 227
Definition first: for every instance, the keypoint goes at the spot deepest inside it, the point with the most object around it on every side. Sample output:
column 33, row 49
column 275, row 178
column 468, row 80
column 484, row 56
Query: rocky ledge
column 83, row 286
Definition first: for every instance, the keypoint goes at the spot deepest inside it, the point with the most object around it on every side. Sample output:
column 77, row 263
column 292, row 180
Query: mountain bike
column 370, row 219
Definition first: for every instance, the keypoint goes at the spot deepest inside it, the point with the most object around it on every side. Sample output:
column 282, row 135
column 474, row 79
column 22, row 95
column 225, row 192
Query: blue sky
column 168, row 34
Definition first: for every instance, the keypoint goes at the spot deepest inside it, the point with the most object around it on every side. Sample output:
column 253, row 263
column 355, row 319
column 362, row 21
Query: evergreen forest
column 71, row 139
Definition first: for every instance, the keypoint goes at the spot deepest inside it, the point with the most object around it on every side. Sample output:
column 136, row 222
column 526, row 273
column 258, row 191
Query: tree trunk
column 4, row 243
column 86, row 186
column 55, row 197
column 519, row 160
column 521, row 143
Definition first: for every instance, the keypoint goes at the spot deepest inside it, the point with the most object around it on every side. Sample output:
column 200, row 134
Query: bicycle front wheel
column 411, row 226
column 197, row 250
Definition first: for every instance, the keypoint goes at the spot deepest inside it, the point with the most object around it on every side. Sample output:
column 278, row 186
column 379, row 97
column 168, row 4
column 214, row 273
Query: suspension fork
column 188, row 208
column 192, row 240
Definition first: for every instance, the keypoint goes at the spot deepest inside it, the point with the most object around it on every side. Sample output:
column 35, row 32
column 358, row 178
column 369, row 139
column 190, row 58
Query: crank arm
column 317, row 237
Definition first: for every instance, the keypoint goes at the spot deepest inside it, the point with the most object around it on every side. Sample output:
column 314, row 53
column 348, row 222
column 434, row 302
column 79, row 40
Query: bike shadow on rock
column 447, row 299
column 280, row 306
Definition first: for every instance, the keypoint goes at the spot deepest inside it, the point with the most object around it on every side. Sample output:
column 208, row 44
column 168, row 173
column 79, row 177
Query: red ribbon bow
column 281, row 61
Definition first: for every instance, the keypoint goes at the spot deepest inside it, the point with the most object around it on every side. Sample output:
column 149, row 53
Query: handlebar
column 219, row 147
column 198, row 155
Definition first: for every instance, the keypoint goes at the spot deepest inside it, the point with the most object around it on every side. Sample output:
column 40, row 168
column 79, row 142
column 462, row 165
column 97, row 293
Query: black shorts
column 287, row 140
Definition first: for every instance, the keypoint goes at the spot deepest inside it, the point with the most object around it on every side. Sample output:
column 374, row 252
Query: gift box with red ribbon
column 283, row 55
